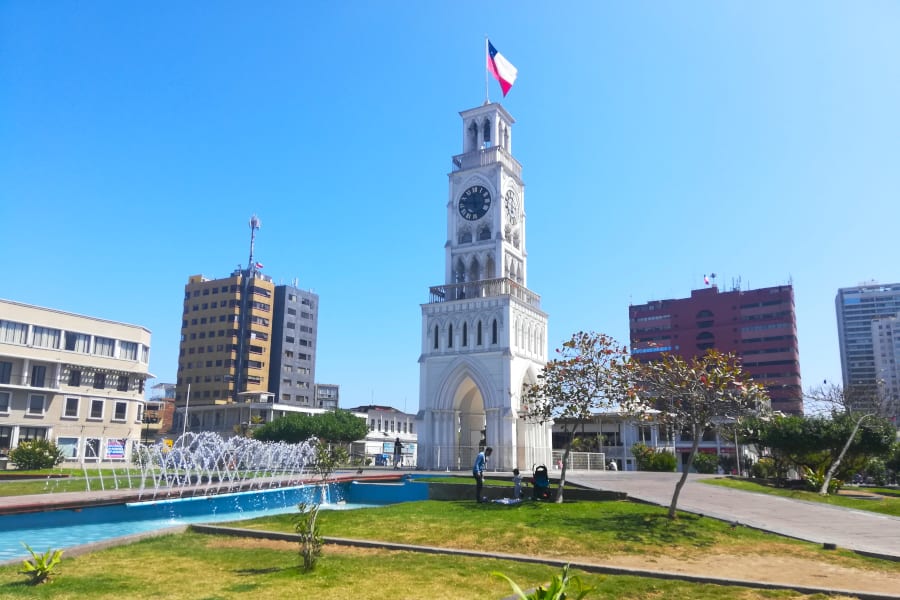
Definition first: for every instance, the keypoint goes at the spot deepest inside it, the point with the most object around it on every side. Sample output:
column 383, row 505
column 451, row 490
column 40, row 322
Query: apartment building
column 73, row 379
column 758, row 325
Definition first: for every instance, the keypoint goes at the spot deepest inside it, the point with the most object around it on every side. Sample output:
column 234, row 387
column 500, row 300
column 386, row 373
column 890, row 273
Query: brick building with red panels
column 759, row 326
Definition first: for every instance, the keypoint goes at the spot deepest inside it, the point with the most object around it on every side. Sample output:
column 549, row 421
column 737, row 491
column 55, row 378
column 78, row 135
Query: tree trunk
column 697, row 432
column 823, row 491
column 562, row 470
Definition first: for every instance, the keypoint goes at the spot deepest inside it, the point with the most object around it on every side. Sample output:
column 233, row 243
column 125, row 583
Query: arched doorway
column 468, row 406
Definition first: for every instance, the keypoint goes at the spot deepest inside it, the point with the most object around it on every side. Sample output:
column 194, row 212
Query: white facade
column 72, row 379
column 483, row 332
column 886, row 351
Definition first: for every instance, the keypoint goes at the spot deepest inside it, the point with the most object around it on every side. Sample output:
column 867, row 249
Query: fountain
column 205, row 463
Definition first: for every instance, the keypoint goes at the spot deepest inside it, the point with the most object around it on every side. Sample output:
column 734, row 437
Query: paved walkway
column 820, row 523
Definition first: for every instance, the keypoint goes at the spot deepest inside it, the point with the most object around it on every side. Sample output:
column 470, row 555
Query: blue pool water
column 67, row 528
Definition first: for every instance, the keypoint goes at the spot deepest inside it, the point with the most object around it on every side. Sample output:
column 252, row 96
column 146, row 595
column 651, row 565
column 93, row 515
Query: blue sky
column 660, row 141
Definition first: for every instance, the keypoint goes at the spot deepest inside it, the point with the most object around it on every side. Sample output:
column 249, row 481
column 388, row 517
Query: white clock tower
column 484, row 334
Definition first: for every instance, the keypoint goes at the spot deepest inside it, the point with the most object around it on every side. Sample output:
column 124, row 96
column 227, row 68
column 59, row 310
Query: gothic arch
column 474, row 270
column 464, row 369
column 490, row 268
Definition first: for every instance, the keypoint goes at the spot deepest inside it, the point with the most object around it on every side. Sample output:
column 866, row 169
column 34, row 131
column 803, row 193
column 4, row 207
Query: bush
column 662, row 462
column 705, row 463
column 764, row 468
column 36, row 455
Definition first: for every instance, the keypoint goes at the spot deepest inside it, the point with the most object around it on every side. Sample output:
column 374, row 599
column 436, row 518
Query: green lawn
column 193, row 566
column 883, row 503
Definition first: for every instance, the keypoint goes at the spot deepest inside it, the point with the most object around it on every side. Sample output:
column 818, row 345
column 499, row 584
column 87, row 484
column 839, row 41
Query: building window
column 121, row 411
column 71, row 409
column 96, row 409
column 4, row 402
column 465, row 335
column 450, row 336
column 45, row 337
column 69, row 446
column 38, row 374
column 128, row 350
column 36, row 404
column 122, row 386
column 435, row 337
column 5, row 372
column 494, row 332
column 92, row 448
column 75, row 377
column 478, row 334
column 27, row 434
column 289, row 339
column 99, row 381
column 104, row 346
column 12, row 332
column 78, row 342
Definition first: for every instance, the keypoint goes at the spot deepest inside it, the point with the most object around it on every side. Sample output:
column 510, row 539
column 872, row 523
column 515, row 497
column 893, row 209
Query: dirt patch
column 782, row 569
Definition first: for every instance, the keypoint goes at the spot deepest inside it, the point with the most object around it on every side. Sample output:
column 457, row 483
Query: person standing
column 517, row 485
column 478, row 471
column 398, row 454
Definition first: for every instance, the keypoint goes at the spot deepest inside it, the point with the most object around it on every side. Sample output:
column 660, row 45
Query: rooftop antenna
column 254, row 225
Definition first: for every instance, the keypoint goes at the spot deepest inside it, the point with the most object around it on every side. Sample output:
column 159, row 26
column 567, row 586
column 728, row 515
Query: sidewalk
column 865, row 532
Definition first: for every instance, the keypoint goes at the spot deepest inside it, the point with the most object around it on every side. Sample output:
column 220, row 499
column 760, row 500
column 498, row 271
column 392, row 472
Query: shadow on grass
column 261, row 571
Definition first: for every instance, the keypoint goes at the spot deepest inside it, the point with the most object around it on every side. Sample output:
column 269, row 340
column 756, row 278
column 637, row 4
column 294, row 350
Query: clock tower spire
column 484, row 335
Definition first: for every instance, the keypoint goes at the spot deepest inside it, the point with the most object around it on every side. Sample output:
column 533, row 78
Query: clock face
column 512, row 206
column 474, row 203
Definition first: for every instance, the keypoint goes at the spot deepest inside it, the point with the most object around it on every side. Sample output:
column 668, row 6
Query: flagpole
column 487, row 99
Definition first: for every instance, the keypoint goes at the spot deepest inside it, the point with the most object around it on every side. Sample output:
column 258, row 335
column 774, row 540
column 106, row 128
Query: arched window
column 494, row 332
column 484, row 234
column 465, row 236
column 435, row 337
column 473, row 136
column 490, row 268
column 474, row 270
column 465, row 340
column 450, row 336
column 486, row 131
column 459, row 273
column 705, row 340
column 478, row 334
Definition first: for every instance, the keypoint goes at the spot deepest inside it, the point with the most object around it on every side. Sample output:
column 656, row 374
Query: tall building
column 865, row 316
column 759, row 326
column 484, row 334
column 73, row 379
column 246, row 345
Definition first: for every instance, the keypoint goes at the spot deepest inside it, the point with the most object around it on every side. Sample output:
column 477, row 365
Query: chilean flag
column 501, row 69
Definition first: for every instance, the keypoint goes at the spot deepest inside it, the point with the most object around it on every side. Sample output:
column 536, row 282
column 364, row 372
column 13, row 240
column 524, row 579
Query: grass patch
column 882, row 504
column 582, row 530
column 194, row 566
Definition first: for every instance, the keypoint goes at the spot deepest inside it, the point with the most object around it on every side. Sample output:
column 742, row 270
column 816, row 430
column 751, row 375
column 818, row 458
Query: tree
column 857, row 404
column 691, row 394
column 339, row 426
column 573, row 386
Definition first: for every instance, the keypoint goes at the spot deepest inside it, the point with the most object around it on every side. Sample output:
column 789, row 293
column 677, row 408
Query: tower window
column 478, row 334
column 484, row 234
column 435, row 337
column 494, row 332
column 450, row 336
column 465, row 336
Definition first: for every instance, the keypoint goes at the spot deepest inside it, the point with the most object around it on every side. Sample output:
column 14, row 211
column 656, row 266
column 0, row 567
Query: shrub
column 36, row 454
column 663, row 462
column 705, row 463
column 41, row 566
column 562, row 587
column 764, row 468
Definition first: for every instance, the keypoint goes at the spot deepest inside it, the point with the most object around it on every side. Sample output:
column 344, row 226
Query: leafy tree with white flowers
column 692, row 395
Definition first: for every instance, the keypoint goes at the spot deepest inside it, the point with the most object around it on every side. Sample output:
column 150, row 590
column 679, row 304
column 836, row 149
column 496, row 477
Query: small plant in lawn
column 41, row 566
column 308, row 529
column 562, row 587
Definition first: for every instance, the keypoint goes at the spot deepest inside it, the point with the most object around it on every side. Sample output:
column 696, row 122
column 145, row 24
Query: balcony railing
column 486, row 157
column 486, row 288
